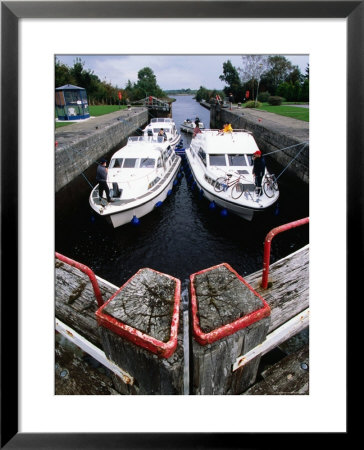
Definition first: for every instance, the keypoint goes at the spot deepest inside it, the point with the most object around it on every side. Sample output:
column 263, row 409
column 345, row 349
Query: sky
column 171, row 71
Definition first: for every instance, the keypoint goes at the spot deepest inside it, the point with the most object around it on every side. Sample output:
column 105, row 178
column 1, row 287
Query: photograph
column 170, row 174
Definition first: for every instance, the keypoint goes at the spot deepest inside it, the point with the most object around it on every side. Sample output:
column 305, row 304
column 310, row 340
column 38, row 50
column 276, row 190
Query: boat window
column 217, row 160
column 159, row 164
column 147, row 163
column 130, row 163
column 202, row 156
column 116, row 163
column 237, row 160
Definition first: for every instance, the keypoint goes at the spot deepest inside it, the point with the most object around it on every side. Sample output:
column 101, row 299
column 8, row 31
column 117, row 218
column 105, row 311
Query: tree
column 231, row 78
column 147, row 84
column 279, row 69
column 62, row 74
column 254, row 66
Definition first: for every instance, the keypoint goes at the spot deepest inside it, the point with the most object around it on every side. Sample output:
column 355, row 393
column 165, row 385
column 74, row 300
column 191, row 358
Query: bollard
column 229, row 318
column 139, row 328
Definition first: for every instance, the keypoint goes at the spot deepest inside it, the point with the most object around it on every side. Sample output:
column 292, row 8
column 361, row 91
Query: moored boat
column 189, row 125
column 140, row 177
column 222, row 167
column 169, row 127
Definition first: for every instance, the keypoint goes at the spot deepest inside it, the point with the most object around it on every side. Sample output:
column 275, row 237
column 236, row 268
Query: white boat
column 169, row 127
column 221, row 165
column 140, row 177
column 189, row 125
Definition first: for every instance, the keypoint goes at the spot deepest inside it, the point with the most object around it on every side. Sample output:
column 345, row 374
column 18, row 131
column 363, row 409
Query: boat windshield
column 147, row 163
column 217, row 160
column 237, row 160
column 116, row 163
column 131, row 163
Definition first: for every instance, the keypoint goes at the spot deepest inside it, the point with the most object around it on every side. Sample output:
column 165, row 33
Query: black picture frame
column 11, row 13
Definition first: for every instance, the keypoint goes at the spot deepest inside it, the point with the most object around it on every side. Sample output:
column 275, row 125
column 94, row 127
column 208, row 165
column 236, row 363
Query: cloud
column 171, row 71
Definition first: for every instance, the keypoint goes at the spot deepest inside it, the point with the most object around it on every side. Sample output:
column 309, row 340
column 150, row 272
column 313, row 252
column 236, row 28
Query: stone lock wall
column 79, row 145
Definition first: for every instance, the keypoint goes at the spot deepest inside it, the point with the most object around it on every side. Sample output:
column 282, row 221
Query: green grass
column 95, row 111
column 288, row 111
column 100, row 110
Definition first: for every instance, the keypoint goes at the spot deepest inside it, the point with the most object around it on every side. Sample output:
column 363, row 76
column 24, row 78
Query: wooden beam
column 281, row 334
column 92, row 350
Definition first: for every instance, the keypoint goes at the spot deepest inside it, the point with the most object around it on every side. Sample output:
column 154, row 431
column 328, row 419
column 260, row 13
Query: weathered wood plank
column 289, row 294
column 75, row 305
column 75, row 302
column 274, row 339
column 74, row 374
column 212, row 363
column 290, row 376
column 146, row 302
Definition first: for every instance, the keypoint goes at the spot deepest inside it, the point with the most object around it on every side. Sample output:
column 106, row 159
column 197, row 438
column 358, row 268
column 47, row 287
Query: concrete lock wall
column 271, row 133
column 79, row 145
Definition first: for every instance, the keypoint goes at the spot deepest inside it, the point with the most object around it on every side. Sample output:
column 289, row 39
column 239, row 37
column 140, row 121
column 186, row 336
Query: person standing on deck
column 101, row 177
column 258, row 170
column 231, row 99
column 196, row 130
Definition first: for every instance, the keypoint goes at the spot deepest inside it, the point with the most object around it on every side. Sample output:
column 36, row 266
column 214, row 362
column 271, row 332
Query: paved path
column 298, row 129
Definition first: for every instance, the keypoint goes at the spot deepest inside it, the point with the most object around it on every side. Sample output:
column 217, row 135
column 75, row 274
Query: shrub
column 274, row 100
column 264, row 96
column 252, row 104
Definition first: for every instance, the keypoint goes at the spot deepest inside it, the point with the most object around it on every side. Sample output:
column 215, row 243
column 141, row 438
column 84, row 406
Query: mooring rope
column 305, row 145
column 286, row 148
column 84, row 176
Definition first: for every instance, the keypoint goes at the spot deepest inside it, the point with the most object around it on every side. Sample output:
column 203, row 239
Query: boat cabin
column 226, row 152
column 155, row 126
column 139, row 166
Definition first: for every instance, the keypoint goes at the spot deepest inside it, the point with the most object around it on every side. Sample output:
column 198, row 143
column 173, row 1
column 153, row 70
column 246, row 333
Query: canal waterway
column 184, row 235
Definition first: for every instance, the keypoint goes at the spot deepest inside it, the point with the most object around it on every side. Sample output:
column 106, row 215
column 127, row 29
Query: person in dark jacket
column 258, row 170
column 231, row 99
column 101, row 177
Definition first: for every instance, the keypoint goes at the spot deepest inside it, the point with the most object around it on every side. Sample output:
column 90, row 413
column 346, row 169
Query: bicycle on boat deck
column 270, row 185
column 237, row 187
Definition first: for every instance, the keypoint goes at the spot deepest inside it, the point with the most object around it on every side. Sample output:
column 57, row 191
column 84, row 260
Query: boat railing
column 235, row 130
column 161, row 119
column 145, row 138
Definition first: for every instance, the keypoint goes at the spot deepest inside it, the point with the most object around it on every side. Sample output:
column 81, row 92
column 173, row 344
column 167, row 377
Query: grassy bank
column 288, row 111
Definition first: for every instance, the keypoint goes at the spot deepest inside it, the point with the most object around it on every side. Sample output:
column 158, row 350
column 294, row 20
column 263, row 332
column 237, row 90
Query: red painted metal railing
column 88, row 272
column 267, row 245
